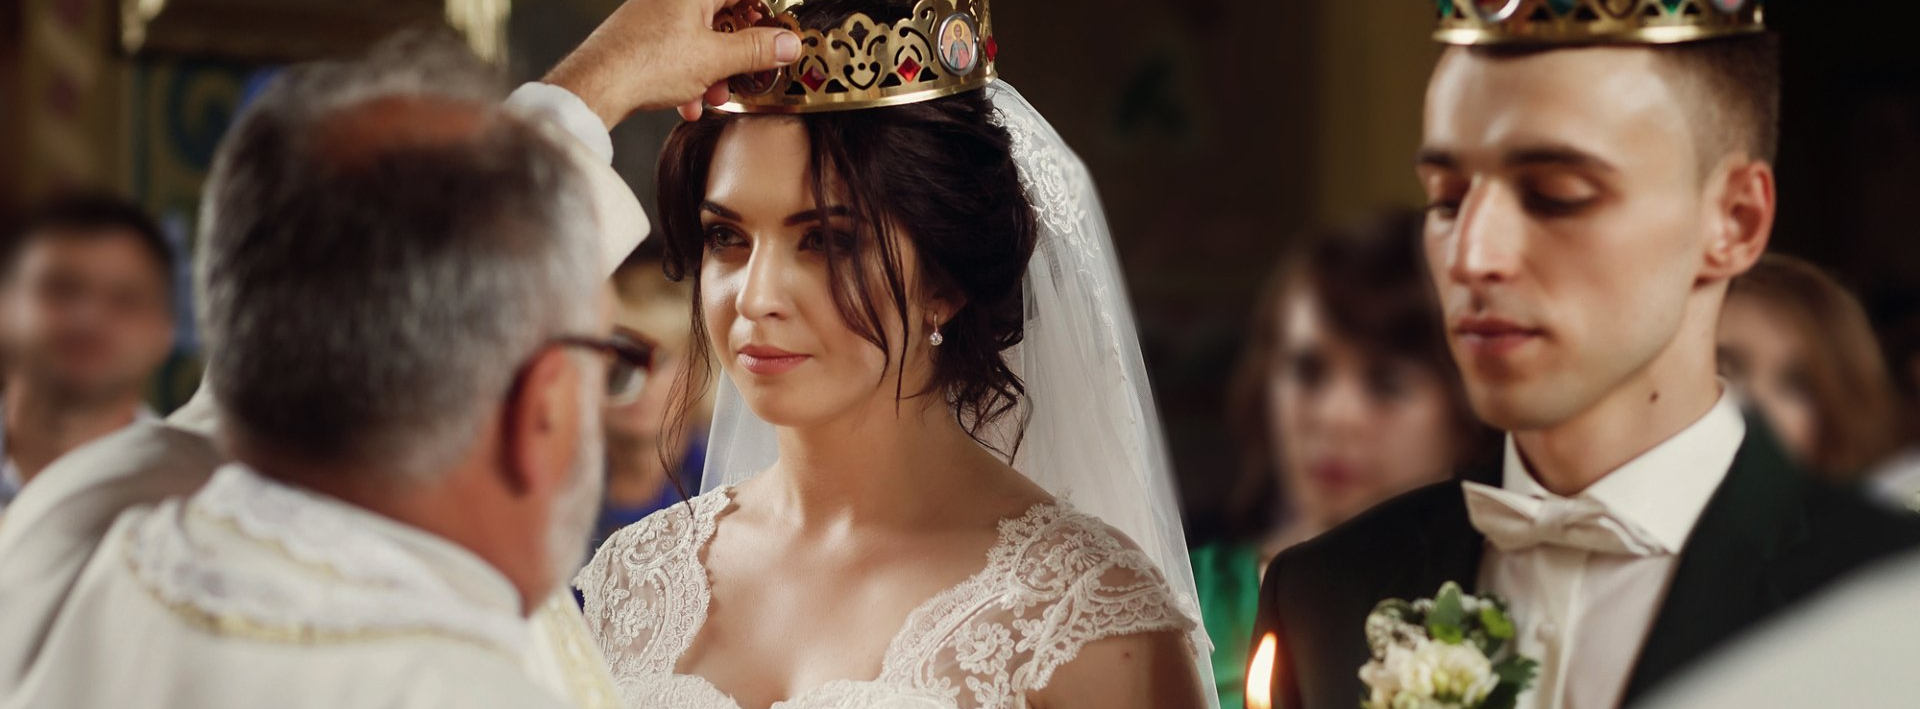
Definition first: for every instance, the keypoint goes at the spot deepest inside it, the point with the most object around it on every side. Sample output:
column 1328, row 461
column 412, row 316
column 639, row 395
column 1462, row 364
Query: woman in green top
column 1345, row 396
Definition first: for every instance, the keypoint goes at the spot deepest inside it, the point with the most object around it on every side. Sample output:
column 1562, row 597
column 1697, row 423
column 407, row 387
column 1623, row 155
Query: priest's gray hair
column 370, row 283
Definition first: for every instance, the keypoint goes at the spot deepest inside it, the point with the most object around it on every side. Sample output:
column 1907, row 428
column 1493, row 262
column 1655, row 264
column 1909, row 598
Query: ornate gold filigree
column 943, row 48
column 1595, row 21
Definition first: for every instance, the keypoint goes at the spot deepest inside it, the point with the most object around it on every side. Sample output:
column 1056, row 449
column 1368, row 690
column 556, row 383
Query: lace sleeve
column 1121, row 595
column 642, row 591
column 1069, row 580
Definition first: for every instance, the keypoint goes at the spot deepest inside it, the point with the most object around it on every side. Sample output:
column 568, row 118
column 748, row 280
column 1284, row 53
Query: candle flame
column 1260, row 674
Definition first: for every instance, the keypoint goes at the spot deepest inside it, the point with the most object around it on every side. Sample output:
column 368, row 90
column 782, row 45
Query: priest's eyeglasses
column 632, row 355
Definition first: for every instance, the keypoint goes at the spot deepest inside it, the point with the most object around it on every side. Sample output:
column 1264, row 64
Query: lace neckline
column 918, row 621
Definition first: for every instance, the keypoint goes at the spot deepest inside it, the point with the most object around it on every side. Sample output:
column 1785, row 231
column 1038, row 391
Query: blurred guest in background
column 1799, row 346
column 86, row 290
column 646, row 472
column 1898, row 479
column 1345, row 396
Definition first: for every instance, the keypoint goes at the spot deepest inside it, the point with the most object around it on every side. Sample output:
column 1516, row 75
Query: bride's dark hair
column 939, row 173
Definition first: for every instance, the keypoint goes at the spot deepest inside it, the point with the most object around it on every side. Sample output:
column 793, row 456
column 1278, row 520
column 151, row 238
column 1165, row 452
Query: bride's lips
column 1494, row 337
column 768, row 361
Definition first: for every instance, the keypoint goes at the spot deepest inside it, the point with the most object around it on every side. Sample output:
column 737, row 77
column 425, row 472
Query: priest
column 79, row 576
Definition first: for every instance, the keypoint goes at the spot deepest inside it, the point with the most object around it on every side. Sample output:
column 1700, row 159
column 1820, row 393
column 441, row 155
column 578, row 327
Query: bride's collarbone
column 805, row 612
column 788, row 630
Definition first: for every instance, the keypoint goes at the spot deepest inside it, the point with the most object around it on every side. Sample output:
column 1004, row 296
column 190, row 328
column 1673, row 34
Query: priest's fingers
column 652, row 54
column 752, row 49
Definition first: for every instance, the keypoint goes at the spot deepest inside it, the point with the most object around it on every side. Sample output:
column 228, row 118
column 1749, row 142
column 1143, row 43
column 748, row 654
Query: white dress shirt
column 1583, row 614
column 1897, row 482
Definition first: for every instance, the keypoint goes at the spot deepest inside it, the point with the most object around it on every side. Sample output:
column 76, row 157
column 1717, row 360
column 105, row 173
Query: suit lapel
column 1724, row 579
column 1451, row 548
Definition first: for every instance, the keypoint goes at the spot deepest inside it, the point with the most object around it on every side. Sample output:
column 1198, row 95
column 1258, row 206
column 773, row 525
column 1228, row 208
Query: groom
column 1591, row 195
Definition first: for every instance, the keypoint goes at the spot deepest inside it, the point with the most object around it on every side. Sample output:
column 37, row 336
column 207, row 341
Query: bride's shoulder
column 1068, row 579
column 1056, row 542
column 671, row 533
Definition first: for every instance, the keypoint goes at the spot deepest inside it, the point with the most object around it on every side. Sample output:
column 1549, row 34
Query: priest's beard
column 577, row 507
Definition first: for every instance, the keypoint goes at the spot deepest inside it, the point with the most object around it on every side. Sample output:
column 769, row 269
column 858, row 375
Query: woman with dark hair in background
column 1799, row 346
column 1344, row 397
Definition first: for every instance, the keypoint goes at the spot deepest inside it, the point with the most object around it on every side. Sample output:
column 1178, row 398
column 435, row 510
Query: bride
column 935, row 477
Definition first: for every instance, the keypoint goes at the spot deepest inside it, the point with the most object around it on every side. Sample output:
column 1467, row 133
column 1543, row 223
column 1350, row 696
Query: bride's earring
column 936, row 338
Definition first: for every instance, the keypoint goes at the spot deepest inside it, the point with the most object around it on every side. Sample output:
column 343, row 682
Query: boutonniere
column 1452, row 651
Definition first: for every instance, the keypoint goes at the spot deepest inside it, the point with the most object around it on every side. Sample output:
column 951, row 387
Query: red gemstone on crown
column 993, row 49
column 910, row 69
column 814, row 78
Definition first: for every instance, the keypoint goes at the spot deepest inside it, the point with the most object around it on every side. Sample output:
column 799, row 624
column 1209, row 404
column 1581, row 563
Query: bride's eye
column 816, row 240
column 720, row 237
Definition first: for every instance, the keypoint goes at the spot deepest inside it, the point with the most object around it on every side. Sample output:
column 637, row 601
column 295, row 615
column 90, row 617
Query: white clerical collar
column 440, row 583
column 199, row 415
column 1665, row 490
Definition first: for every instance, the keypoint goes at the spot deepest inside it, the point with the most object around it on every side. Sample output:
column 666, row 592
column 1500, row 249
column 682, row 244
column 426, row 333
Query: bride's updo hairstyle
column 938, row 173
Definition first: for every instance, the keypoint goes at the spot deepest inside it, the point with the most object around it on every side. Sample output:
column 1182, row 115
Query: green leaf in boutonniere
column 1447, row 622
column 1496, row 629
column 1495, row 620
column 1515, row 674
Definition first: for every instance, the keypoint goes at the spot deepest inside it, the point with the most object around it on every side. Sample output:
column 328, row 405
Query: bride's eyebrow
column 819, row 215
column 715, row 209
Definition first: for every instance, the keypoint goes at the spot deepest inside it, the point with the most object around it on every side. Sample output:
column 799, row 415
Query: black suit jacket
column 1768, row 537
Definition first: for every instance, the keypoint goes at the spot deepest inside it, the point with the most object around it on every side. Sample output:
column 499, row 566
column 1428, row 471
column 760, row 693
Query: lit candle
column 1260, row 674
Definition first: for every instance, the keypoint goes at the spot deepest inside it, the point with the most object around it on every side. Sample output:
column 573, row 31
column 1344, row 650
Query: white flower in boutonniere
column 1452, row 651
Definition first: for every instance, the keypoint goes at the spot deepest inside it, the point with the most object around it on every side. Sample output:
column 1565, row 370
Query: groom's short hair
column 382, row 248
column 1731, row 86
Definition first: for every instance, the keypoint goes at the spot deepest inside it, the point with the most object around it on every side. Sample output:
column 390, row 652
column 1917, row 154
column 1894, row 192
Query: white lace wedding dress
column 1055, row 580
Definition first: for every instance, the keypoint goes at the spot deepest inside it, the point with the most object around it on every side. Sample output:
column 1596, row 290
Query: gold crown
column 943, row 48
column 1595, row 21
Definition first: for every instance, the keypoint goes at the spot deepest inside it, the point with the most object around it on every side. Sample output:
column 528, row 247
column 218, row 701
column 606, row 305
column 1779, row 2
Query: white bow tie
column 1515, row 522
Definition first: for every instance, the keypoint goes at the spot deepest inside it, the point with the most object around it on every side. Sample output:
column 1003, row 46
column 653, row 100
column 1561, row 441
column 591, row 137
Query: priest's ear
column 541, row 420
column 1740, row 204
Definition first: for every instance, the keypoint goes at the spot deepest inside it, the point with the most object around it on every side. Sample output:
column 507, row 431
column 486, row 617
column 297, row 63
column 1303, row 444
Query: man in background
column 646, row 470
column 86, row 315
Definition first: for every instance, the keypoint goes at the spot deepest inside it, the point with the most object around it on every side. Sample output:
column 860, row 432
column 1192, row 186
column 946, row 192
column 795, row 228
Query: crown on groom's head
column 1587, row 22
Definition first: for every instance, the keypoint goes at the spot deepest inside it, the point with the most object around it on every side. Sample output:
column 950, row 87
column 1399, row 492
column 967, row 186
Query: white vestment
column 1853, row 646
column 253, row 593
column 80, row 624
